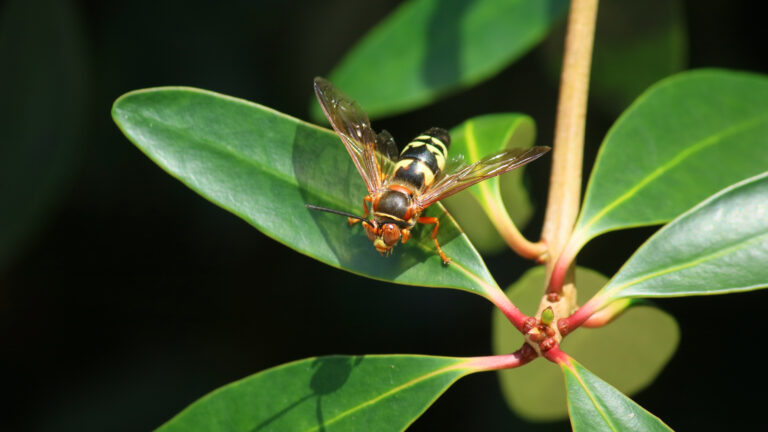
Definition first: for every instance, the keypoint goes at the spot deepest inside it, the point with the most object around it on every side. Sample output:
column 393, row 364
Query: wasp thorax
column 394, row 203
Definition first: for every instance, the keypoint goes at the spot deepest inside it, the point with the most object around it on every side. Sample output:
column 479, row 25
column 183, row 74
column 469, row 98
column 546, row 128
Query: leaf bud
column 547, row 316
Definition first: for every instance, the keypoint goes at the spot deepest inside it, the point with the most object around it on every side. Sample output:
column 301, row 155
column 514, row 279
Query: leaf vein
column 692, row 263
column 592, row 398
column 385, row 395
column 679, row 158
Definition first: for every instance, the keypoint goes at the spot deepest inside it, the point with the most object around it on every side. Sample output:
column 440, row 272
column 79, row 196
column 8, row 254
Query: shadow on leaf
column 326, row 181
column 331, row 373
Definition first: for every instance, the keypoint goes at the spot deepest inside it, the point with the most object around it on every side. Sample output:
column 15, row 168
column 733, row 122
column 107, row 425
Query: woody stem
column 565, row 183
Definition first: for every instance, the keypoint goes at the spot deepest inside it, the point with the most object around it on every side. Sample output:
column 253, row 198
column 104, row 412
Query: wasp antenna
column 338, row 212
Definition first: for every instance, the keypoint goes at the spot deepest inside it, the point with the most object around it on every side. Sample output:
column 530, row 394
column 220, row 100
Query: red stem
column 556, row 355
column 557, row 279
column 562, row 265
column 571, row 323
column 607, row 314
column 517, row 318
column 507, row 361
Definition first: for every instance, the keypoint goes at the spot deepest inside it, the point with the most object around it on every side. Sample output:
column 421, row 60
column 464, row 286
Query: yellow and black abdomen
column 422, row 159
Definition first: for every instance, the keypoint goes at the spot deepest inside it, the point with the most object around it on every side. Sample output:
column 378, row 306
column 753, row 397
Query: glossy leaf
column 475, row 223
column 718, row 247
column 427, row 48
column 265, row 166
column 629, row 352
column 683, row 140
column 337, row 393
column 503, row 207
column 42, row 113
column 596, row 406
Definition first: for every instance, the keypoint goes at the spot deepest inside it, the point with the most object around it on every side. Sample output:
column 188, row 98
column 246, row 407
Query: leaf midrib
column 679, row 158
column 703, row 259
column 388, row 393
column 186, row 133
column 181, row 131
column 488, row 194
column 474, row 156
column 593, row 399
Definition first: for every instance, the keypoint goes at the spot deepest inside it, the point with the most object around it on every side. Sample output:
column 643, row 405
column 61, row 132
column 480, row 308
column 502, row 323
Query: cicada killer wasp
column 401, row 187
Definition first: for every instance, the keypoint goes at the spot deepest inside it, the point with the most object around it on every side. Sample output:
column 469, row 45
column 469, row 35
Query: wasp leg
column 405, row 234
column 429, row 221
column 367, row 198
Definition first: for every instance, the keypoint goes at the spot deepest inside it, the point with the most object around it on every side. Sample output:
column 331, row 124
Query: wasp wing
column 458, row 176
column 387, row 153
column 352, row 125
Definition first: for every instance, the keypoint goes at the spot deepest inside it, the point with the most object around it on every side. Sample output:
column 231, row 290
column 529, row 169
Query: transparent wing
column 352, row 125
column 458, row 176
column 387, row 153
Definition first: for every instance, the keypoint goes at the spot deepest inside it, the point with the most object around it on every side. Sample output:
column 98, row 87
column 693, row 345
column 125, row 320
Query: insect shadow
column 330, row 375
column 326, row 171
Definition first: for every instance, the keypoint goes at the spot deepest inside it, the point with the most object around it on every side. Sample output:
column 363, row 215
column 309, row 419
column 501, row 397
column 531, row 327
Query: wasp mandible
column 401, row 187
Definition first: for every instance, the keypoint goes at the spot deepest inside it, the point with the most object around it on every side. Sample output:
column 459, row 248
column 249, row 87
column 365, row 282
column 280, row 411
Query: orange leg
column 367, row 198
column 433, row 220
column 405, row 234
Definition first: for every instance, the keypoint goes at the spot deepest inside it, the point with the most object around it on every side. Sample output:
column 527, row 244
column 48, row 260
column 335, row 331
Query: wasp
column 401, row 186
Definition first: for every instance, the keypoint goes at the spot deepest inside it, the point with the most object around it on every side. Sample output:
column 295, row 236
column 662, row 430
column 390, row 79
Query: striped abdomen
column 422, row 159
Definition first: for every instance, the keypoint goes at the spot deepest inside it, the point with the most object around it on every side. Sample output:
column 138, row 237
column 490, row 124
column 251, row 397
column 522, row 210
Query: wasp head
column 384, row 236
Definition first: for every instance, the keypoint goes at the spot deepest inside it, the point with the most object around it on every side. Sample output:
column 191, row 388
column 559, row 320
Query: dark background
column 132, row 296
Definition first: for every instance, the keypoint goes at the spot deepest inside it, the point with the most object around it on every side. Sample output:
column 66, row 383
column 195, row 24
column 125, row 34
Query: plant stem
column 607, row 314
column 567, row 154
column 556, row 355
column 517, row 242
column 495, row 295
column 501, row 301
column 575, row 320
column 506, row 361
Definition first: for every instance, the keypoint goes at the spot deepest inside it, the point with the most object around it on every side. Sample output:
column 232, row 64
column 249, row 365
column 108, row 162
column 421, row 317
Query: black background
column 136, row 296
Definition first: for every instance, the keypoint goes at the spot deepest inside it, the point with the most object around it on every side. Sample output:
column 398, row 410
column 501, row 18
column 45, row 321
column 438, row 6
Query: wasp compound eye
column 370, row 231
column 390, row 234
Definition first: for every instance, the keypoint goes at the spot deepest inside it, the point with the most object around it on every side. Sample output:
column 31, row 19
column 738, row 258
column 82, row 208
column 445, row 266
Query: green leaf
column 596, row 406
column 265, row 166
column 427, row 48
column 718, row 247
column 337, row 393
column 43, row 84
column 478, row 137
column 629, row 352
column 473, row 220
column 683, row 140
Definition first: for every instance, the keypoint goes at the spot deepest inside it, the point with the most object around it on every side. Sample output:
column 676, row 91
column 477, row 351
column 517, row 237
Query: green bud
column 547, row 316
